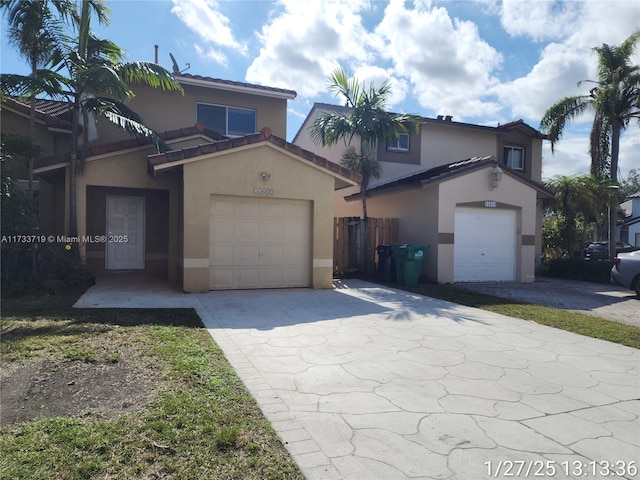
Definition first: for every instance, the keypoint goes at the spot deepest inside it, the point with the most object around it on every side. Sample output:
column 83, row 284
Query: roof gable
column 176, row 158
column 95, row 149
column 446, row 172
column 441, row 120
column 51, row 113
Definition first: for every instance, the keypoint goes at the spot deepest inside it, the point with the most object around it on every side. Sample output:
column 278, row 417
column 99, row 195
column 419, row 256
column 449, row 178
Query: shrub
column 598, row 271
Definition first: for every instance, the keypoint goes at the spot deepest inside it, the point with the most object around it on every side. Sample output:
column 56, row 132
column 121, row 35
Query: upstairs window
column 230, row 121
column 400, row 144
column 514, row 157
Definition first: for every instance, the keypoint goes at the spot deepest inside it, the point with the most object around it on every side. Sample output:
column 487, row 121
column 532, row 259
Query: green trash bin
column 408, row 260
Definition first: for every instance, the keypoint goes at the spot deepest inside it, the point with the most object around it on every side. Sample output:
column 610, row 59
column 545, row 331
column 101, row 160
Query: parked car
column 626, row 271
column 600, row 250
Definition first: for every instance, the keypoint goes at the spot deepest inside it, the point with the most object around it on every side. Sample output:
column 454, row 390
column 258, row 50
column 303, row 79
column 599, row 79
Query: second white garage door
column 259, row 243
column 484, row 245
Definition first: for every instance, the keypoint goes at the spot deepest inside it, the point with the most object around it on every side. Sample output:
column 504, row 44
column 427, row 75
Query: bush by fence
column 598, row 271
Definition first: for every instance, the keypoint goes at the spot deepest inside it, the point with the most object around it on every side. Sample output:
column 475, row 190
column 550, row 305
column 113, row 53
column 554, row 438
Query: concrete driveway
column 368, row 382
column 611, row 302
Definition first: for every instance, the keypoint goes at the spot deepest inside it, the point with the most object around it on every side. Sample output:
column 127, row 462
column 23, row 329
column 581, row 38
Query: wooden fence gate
column 355, row 241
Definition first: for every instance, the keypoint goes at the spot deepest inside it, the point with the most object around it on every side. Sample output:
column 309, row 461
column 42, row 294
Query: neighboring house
column 630, row 228
column 231, row 205
column 52, row 128
column 438, row 183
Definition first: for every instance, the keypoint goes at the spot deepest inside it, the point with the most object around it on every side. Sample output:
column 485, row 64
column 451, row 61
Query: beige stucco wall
column 424, row 214
column 238, row 173
column 50, row 143
column 512, row 194
column 417, row 213
column 444, row 143
column 163, row 111
column 127, row 170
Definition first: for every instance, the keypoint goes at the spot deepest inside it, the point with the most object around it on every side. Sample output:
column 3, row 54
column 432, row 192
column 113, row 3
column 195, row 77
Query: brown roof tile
column 236, row 84
column 227, row 144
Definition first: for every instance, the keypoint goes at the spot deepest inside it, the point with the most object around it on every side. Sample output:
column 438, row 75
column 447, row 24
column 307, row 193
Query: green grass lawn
column 191, row 418
column 581, row 323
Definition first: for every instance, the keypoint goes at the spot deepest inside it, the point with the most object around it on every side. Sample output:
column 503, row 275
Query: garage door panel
column 247, row 277
column 296, row 255
column 296, row 210
column 220, row 254
column 221, row 278
column 246, row 231
column 484, row 245
column 272, row 232
column 223, row 208
column 272, row 255
column 222, row 231
column 259, row 243
column 271, row 209
column 246, row 207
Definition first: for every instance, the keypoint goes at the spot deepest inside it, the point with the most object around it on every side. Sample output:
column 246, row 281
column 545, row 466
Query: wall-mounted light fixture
column 495, row 176
column 265, row 176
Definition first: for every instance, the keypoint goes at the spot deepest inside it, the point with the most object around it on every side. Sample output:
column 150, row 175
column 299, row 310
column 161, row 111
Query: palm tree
column 35, row 30
column 100, row 82
column 615, row 101
column 577, row 206
column 367, row 119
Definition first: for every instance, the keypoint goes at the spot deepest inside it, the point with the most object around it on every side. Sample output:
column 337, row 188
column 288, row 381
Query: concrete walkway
column 368, row 382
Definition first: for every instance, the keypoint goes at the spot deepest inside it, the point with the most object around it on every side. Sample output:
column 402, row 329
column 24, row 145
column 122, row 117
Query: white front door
column 125, row 233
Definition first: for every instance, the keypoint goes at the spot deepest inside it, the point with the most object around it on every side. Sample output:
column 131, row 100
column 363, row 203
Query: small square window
column 514, row 157
column 399, row 144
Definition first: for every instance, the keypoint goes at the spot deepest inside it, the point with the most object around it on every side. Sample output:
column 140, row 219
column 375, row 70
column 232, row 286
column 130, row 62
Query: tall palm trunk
column 73, row 167
column 613, row 202
column 32, row 136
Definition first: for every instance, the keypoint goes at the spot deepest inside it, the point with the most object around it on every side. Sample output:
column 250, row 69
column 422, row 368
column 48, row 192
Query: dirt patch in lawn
column 68, row 388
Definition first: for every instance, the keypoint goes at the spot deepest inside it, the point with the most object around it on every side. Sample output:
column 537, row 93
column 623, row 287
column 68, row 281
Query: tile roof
column 442, row 120
column 443, row 172
column 51, row 112
column 98, row 148
column 231, row 143
column 233, row 83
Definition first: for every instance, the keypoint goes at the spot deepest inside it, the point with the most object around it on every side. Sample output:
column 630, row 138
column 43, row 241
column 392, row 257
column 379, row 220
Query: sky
column 482, row 61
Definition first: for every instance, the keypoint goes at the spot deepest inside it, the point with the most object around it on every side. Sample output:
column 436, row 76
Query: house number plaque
column 263, row 191
column 490, row 204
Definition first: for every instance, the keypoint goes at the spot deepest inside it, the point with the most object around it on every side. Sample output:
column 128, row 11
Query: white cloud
column 304, row 42
column 205, row 19
column 561, row 66
column 555, row 76
column 539, row 20
column 376, row 76
column 212, row 54
column 449, row 66
column 570, row 157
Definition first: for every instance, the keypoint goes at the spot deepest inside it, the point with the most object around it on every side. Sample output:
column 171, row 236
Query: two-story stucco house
column 630, row 228
column 471, row 192
column 230, row 205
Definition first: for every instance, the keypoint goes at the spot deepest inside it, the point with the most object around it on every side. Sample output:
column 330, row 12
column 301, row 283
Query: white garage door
column 259, row 243
column 484, row 245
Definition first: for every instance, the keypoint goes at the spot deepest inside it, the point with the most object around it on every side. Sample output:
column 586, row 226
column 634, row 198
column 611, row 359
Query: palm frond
column 148, row 73
column 125, row 118
column 45, row 82
column 556, row 117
